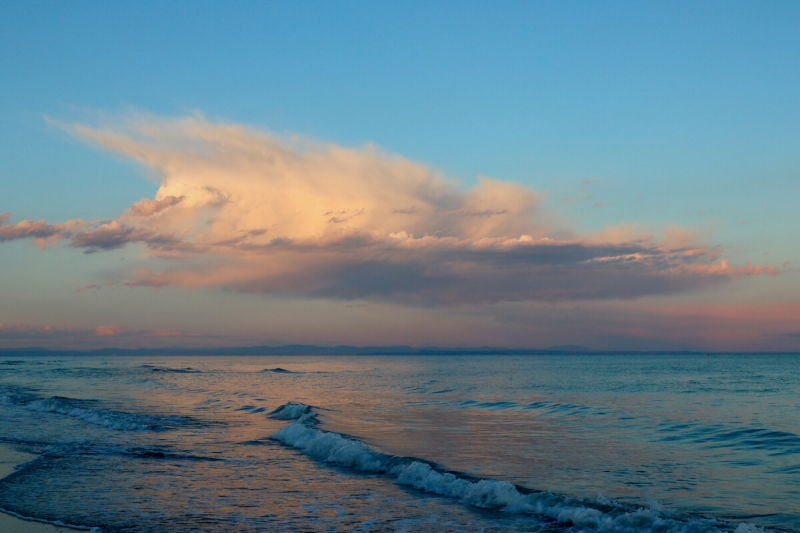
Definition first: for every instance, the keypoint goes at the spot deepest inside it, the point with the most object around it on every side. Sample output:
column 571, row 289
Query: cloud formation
column 252, row 211
column 40, row 231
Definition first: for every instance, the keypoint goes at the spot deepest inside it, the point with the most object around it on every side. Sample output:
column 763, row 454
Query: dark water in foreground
column 628, row 444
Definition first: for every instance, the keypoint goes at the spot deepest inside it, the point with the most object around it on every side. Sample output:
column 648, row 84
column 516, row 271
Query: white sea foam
column 602, row 516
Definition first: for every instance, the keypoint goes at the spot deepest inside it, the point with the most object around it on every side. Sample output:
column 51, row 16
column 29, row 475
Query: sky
column 614, row 175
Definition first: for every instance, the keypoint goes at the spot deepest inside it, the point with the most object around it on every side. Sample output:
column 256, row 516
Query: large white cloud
column 252, row 211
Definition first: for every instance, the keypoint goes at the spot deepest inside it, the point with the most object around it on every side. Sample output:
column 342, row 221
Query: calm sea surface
column 419, row 443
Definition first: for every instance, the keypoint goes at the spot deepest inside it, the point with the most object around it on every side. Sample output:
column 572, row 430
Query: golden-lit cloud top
column 252, row 211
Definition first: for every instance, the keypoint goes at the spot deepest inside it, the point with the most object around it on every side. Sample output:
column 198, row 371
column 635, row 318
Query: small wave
column 15, row 396
column 251, row 409
column 601, row 516
column 85, row 411
column 187, row 370
column 553, row 408
column 12, row 363
column 85, row 372
column 279, row 370
column 99, row 417
column 290, row 411
column 136, row 452
column 743, row 438
column 26, row 444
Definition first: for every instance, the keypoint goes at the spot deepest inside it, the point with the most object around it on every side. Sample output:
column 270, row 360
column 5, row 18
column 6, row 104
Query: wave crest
column 604, row 516
column 290, row 411
column 85, row 411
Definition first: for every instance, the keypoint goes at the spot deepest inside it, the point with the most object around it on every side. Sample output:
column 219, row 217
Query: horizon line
column 344, row 350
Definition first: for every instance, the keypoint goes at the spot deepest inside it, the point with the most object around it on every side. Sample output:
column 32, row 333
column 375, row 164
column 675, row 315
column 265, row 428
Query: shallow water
column 475, row 443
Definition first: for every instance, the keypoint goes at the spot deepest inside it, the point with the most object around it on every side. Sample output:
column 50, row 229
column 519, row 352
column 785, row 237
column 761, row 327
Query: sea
column 627, row 443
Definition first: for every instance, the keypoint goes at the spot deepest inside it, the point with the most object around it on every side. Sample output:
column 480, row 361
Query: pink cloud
column 114, row 331
column 39, row 230
column 36, row 229
column 116, row 234
column 250, row 211
column 111, row 331
column 147, row 207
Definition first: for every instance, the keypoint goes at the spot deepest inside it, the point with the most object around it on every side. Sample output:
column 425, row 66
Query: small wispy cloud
column 40, row 231
column 112, row 331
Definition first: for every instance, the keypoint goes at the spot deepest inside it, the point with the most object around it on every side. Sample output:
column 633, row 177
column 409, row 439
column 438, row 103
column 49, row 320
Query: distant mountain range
column 300, row 349
column 309, row 349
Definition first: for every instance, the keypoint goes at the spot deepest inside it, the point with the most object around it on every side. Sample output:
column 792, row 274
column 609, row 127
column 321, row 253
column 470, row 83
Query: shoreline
column 9, row 457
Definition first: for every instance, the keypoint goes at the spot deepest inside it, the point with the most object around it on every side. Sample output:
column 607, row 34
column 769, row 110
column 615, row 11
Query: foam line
column 81, row 410
column 602, row 516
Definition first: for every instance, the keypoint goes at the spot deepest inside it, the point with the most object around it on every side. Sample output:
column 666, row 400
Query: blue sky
column 642, row 114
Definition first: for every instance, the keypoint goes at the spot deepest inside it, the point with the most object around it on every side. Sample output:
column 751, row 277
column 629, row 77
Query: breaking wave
column 601, row 515
column 85, row 411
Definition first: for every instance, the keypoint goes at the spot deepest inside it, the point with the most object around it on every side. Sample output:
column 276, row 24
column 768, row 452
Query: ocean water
column 596, row 443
